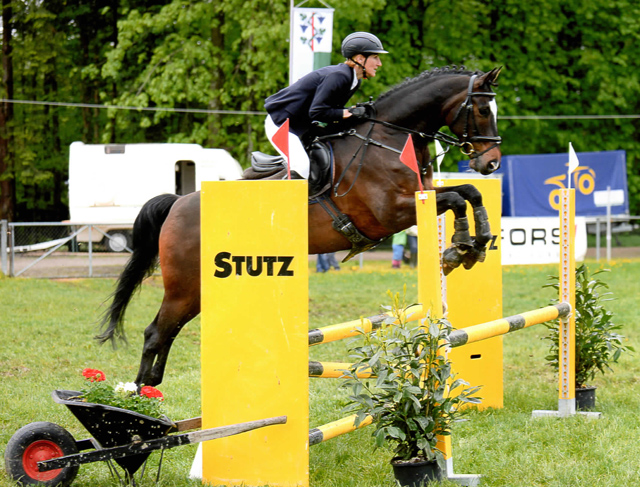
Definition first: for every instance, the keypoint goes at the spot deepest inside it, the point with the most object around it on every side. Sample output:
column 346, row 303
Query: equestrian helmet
column 361, row 43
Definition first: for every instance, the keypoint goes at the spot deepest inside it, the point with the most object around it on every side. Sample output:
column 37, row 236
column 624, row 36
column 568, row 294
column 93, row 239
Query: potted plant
column 413, row 396
column 597, row 343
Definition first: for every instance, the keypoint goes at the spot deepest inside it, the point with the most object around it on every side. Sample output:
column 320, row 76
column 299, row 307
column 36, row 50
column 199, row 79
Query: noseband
column 466, row 143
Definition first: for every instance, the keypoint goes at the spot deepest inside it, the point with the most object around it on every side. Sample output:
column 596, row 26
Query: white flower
column 126, row 387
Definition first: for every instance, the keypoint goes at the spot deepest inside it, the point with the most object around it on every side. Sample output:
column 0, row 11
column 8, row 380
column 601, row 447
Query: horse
column 371, row 197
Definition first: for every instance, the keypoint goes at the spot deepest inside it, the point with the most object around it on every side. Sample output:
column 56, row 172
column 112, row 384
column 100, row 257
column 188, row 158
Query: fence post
column 3, row 247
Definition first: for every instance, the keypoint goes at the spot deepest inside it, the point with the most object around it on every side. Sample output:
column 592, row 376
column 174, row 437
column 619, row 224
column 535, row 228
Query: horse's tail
column 146, row 233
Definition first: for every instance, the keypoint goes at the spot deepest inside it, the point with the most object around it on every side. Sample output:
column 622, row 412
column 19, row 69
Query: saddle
column 320, row 172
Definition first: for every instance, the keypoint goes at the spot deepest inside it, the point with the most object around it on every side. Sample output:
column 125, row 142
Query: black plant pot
column 586, row 398
column 416, row 473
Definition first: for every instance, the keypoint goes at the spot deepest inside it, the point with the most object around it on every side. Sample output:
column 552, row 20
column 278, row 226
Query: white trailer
column 109, row 183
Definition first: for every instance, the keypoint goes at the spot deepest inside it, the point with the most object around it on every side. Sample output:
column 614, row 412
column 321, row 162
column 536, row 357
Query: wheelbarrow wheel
column 37, row 442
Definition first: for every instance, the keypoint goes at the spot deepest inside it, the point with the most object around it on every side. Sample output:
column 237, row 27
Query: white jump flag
column 573, row 163
column 439, row 157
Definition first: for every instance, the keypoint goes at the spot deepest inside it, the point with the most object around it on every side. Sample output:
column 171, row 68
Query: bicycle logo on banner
column 584, row 180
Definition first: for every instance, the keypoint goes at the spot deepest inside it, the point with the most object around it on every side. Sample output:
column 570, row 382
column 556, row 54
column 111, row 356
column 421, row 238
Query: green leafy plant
column 414, row 395
column 597, row 343
column 124, row 395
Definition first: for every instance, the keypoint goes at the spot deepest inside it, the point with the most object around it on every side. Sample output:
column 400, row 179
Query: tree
column 197, row 55
column 560, row 58
column 6, row 115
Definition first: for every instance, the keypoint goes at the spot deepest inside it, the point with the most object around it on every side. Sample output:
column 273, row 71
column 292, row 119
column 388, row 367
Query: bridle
column 466, row 144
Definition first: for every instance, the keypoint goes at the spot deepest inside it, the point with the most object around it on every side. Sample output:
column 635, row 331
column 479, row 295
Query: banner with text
column 536, row 240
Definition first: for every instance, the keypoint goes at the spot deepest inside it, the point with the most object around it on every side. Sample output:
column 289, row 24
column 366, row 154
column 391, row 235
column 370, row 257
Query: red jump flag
column 281, row 141
column 408, row 158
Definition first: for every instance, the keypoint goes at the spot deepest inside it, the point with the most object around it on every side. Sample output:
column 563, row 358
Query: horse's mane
column 432, row 73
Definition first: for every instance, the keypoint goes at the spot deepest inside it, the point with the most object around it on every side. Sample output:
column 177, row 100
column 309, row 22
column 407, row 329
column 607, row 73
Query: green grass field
column 46, row 340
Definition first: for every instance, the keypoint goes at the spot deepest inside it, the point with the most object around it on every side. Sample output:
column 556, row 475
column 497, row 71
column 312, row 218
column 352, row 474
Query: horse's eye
column 485, row 111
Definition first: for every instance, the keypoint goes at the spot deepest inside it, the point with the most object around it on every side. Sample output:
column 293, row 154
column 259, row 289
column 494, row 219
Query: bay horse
column 372, row 198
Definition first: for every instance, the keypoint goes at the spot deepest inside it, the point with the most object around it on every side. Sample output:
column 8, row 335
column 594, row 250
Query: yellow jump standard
column 255, row 277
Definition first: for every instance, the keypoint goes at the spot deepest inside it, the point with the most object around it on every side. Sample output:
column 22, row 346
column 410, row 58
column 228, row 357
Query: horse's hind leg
column 179, row 254
column 159, row 336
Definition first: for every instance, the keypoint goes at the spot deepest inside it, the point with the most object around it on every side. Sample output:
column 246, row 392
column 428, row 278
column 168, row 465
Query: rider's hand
column 359, row 112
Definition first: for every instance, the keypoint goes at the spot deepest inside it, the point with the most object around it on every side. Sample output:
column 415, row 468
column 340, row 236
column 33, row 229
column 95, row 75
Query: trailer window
column 185, row 177
column 114, row 149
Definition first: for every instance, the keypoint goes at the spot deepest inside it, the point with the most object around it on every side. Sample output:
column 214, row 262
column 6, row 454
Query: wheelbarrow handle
column 165, row 442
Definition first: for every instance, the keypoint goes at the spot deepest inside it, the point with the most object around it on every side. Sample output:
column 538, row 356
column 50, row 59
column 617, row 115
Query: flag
column 439, row 153
column 439, row 157
column 311, row 38
column 408, row 158
column 281, row 140
column 573, row 163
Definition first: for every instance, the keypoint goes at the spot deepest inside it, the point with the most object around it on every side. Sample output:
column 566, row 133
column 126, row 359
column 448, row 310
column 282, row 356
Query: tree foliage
column 561, row 58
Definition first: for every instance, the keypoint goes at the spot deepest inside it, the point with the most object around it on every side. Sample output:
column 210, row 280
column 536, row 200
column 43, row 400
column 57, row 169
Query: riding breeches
column 298, row 158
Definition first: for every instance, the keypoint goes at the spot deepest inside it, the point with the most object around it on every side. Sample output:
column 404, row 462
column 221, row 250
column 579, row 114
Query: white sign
column 536, row 240
column 601, row 198
column 311, row 34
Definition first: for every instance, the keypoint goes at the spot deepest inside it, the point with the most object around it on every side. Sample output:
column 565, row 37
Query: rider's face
column 372, row 65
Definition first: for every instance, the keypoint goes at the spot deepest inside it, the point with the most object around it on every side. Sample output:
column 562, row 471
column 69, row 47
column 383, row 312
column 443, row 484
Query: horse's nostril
column 494, row 165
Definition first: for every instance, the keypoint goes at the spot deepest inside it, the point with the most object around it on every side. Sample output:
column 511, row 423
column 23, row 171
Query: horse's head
column 472, row 116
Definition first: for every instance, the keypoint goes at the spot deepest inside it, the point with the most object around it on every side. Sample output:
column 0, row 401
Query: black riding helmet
column 361, row 43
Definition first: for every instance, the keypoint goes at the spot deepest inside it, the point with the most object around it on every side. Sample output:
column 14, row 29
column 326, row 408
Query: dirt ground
column 68, row 264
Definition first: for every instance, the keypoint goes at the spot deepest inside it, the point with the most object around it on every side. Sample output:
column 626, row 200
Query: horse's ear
column 492, row 76
column 487, row 80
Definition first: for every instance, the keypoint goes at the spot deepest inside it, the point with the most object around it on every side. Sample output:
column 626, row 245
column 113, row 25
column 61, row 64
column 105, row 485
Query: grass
column 46, row 337
column 627, row 239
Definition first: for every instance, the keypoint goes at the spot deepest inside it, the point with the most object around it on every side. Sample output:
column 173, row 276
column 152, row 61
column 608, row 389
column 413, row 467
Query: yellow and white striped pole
column 502, row 326
column 332, row 333
column 336, row 428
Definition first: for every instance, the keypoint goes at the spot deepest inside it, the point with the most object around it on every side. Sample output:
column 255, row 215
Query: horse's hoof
column 452, row 258
column 468, row 263
column 473, row 256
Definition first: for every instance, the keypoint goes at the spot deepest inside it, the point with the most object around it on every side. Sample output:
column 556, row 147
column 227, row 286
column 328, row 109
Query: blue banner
column 531, row 183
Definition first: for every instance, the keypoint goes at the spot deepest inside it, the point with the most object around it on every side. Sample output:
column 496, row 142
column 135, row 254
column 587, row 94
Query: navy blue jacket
column 320, row 95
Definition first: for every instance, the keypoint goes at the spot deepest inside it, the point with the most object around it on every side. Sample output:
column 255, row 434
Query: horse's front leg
column 483, row 235
column 461, row 241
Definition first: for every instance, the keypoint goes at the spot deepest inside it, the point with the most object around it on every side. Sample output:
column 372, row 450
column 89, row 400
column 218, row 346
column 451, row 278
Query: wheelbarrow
column 46, row 454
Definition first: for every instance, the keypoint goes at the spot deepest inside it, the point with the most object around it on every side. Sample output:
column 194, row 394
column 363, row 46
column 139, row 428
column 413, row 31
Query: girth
column 345, row 227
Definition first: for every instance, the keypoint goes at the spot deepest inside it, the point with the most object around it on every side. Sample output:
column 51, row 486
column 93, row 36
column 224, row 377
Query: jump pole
column 255, row 277
column 567, row 334
column 430, row 294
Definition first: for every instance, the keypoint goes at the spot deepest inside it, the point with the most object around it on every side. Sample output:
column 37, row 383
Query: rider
column 321, row 95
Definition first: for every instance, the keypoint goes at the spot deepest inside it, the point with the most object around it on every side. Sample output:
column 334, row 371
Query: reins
column 367, row 140
column 465, row 144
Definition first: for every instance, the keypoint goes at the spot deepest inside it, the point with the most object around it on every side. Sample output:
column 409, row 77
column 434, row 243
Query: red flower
column 151, row 392
column 93, row 375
